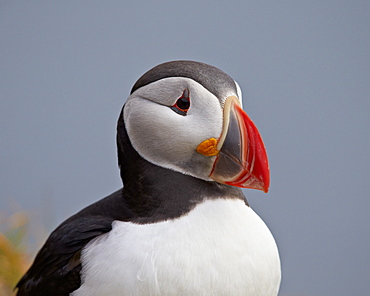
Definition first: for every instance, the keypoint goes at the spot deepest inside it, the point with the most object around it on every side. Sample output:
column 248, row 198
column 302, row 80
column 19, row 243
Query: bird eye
column 182, row 104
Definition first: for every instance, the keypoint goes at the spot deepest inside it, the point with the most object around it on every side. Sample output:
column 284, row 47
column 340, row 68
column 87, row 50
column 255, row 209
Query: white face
column 166, row 138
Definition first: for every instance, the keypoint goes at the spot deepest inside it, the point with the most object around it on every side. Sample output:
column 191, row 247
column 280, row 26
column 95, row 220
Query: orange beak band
column 241, row 155
column 208, row 147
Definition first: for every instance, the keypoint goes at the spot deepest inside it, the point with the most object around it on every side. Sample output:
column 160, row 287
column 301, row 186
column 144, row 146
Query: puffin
column 180, row 225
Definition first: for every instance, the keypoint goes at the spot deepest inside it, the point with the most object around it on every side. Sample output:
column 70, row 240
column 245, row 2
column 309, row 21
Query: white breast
column 220, row 248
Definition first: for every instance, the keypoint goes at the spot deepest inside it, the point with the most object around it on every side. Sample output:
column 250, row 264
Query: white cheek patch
column 165, row 138
column 147, row 124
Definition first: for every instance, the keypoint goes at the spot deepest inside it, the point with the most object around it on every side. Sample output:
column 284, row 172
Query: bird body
column 209, row 251
column 181, row 224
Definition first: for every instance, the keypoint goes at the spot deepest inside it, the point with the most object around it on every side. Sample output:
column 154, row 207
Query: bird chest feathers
column 219, row 248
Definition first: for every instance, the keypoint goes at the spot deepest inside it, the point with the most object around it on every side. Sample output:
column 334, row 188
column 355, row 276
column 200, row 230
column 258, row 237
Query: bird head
column 187, row 117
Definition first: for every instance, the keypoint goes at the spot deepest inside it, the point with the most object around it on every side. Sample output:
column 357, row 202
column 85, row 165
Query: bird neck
column 154, row 193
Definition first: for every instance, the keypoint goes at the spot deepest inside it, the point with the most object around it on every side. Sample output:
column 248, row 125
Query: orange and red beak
column 241, row 158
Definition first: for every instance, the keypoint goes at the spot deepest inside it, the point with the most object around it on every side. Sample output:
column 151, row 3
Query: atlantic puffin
column 181, row 224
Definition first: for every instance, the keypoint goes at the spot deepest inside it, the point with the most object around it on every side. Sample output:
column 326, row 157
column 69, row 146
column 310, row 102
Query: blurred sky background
column 67, row 67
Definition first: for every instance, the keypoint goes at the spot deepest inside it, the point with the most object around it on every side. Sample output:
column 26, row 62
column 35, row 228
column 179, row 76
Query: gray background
column 67, row 67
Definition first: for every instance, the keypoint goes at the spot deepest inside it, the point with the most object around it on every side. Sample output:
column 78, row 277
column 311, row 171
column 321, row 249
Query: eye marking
column 182, row 104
